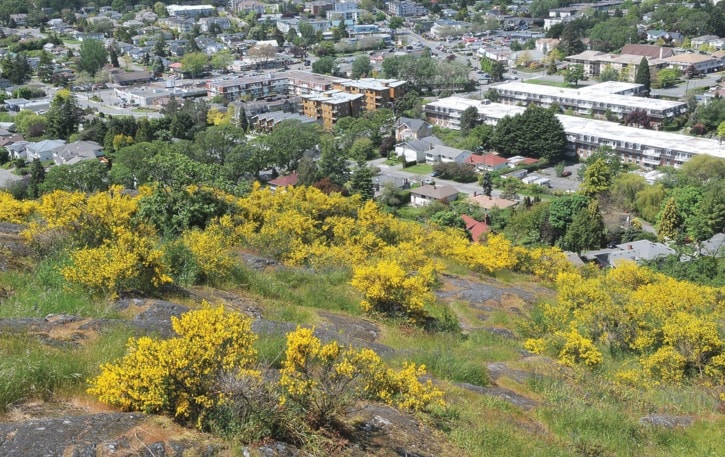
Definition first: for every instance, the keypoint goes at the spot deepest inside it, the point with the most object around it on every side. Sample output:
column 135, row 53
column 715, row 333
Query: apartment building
column 406, row 8
column 379, row 93
column 617, row 98
column 253, row 87
column 330, row 106
column 370, row 94
column 643, row 147
column 190, row 10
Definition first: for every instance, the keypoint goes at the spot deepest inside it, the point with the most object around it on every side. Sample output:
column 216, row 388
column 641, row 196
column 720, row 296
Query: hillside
column 532, row 356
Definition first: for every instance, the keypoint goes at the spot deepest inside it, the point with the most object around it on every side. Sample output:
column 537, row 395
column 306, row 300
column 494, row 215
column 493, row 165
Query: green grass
column 297, row 287
column 44, row 291
column 32, row 370
column 420, row 169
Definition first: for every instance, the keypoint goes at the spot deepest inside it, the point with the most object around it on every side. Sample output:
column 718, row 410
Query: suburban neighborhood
column 497, row 226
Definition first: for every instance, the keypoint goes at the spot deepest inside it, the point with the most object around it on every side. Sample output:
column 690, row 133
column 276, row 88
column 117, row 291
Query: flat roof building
column 331, row 106
column 618, row 98
column 646, row 148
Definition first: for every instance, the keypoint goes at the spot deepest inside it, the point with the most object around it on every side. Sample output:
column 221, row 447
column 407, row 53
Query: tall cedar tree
column 642, row 76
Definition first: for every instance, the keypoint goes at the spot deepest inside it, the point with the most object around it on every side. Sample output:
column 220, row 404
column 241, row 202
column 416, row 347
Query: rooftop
column 608, row 92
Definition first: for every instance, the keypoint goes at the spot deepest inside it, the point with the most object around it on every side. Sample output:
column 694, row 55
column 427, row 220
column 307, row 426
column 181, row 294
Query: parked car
column 566, row 173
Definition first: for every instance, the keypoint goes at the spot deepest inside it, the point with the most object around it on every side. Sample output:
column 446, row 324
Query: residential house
column 9, row 139
column 20, row 20
column 414, row 150
column 637, row 251
column 42, row 150
column 546, row 45
column 654, row 36
column 407, row 128
column 445, row 154
column 476, row 230
column 715, row 246
column 487, row 162
column 17, row 149
column 491, row 202
column 713, row 41
column 69, row 154
column 283, row 181
column 425, row 195
column 702, row 63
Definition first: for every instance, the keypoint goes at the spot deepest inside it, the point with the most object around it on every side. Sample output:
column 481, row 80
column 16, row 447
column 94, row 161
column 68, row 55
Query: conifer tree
column 642, row 76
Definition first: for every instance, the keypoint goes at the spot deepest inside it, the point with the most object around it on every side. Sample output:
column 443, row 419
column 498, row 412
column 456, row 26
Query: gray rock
column 505, row 394
column 667, row 420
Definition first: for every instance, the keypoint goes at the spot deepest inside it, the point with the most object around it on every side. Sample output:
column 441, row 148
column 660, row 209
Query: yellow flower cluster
column 179, row 376
column 324, row 379
column 127, row 261
column 670, row 324
column 210, row 250
column 15, row 211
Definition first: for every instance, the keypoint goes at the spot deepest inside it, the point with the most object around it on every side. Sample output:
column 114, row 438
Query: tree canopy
column 535, row 133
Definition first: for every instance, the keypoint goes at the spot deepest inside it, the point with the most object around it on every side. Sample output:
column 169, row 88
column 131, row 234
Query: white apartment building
column 646, row 148
column 618, row 98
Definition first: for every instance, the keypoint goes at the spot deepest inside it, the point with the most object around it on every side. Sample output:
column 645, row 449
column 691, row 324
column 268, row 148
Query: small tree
column 574, row 74
column 93, row 56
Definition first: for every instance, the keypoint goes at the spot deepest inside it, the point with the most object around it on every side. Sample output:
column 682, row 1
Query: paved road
column 557, row 183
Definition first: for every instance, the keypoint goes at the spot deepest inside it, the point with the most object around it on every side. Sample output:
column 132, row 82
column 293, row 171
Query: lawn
column 420, row 169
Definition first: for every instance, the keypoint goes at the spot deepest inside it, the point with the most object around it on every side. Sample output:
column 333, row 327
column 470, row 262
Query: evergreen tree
column 45, row 67
column 487, row 184
column 469, row 119
column 37, row 176
column 113, row 55
column 586, row 230
column 597, row 178
column 362, row 182
column 642, row 76
column 668, row 226
column 63, row 115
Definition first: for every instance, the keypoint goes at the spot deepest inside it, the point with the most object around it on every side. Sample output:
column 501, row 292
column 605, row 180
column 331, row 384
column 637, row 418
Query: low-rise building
column 446, row 154
column 702, row 63
column 190, row 10
column 415, row 149
column 610, row 97
column 78, row 151
column 643, row 147
column 425, row 195
column 266, row 122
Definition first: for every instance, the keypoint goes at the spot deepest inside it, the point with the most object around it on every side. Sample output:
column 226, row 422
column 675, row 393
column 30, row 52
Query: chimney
column 629, row 247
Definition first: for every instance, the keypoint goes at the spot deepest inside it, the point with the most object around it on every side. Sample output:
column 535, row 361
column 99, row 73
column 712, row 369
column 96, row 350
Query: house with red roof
column 283, row 181
column 475, row 228
column 487, row 162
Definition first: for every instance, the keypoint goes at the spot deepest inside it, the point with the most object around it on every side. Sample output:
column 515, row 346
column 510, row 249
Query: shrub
column 180, row 376
column 324, row 380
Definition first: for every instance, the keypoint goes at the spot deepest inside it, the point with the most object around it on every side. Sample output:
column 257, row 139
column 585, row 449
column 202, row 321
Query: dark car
column 435, row 174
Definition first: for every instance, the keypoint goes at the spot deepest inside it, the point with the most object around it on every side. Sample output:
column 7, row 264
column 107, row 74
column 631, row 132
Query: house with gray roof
column 407, row 128
column 414, row 150
column 425, row 195
column 444, row 154
column 42, row 150
column 635, row 251
column 78, row 151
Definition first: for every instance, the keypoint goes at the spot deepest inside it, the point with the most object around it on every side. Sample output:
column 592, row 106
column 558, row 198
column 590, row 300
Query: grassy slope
column 580, row 414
